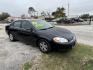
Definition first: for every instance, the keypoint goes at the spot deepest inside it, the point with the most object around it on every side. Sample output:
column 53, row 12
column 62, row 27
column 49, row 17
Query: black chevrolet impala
column 42, row 33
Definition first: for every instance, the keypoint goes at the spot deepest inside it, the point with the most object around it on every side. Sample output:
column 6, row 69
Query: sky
column 19, row 7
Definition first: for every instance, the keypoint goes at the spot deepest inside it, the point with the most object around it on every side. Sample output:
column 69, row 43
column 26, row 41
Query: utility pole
column 68, row 9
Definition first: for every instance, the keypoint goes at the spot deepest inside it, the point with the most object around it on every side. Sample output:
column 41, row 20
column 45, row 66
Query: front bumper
column 68, row 45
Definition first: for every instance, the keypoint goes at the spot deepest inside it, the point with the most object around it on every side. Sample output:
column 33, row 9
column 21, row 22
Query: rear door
column 25, row 34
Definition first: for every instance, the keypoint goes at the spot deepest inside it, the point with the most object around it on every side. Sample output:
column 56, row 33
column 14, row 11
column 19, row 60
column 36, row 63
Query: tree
column 3, row 16
column 60, row 12
column 31, row 11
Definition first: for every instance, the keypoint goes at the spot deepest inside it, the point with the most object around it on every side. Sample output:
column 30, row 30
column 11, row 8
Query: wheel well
column 39, row 40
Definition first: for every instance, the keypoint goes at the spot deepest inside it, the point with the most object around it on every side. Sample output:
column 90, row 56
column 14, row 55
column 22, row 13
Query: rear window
column 17, row 24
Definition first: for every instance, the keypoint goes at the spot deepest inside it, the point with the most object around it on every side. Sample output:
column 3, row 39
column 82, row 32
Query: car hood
column 57, row 32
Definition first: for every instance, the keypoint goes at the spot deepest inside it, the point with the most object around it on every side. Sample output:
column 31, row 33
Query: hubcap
column 11, row 37
column 43, row 46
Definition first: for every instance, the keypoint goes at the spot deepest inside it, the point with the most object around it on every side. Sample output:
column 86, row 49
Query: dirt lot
column 14, row 55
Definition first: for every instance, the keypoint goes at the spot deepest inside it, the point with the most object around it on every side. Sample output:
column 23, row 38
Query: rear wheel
column 11, row 37
column 44, row 46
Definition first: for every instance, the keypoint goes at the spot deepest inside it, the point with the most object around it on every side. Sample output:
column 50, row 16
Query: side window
column 17, row 24
column 12, row 24
column 26, row 25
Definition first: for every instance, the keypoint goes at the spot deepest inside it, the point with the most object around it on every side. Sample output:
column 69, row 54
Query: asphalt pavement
column 84, row 33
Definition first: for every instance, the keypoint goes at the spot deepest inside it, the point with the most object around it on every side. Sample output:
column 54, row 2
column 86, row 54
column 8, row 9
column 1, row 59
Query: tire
column 44, row 46
column 11, row 37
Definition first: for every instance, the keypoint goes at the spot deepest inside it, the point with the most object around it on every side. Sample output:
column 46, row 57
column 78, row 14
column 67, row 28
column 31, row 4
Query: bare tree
column 43, row 14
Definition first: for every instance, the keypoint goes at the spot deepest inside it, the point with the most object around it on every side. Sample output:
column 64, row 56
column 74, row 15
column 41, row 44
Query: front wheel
column 44, row 46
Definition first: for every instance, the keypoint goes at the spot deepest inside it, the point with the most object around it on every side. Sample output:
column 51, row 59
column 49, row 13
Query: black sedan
column 43, row 34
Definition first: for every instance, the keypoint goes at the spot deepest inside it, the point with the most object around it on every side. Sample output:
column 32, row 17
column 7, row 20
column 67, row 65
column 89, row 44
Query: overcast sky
column 19, row 7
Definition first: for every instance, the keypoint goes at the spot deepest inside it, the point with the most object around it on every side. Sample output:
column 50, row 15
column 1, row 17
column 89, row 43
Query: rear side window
column 17, row 24
column 26, row 25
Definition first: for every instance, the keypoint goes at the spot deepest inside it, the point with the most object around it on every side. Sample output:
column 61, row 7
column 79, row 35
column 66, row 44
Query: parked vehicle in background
column 49, row 19
column 41, row 33
column 77, row 19
column 53, row 23
column 65, row 20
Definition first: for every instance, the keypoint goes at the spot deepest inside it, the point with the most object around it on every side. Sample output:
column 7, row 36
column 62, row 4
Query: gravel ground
column 14, row 54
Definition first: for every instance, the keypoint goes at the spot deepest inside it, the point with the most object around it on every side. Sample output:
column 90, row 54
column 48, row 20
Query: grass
column 27, row 66
column 79, row 58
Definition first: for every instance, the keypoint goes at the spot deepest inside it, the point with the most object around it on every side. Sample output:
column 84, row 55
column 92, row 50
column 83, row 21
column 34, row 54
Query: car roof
column 29, row 19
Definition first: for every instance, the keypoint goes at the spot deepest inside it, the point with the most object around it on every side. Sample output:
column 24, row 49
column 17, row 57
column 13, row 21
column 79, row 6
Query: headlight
column 60, row 40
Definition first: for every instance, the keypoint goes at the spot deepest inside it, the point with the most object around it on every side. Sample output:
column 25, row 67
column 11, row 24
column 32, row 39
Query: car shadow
column 60, row 51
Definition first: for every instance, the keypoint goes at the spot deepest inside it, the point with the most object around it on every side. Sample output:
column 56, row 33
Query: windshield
column 41, row 24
